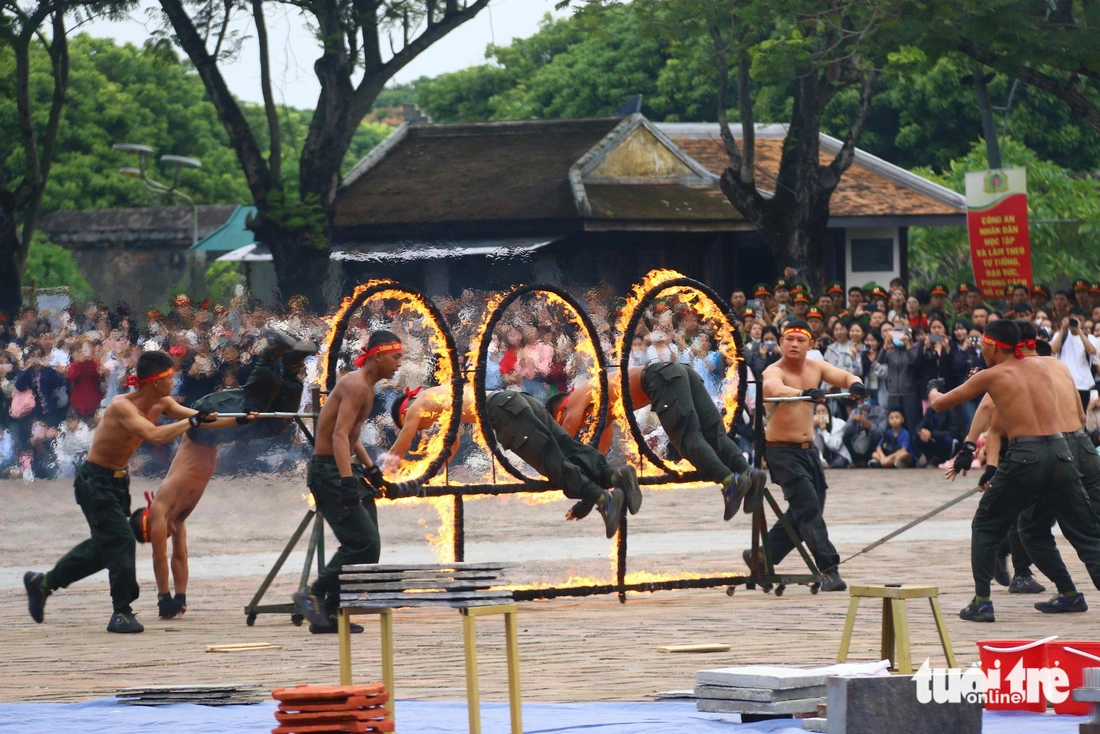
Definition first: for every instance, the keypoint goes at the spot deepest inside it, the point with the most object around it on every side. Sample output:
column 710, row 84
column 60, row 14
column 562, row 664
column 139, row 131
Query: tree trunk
column 10, row 247
column 301, row 267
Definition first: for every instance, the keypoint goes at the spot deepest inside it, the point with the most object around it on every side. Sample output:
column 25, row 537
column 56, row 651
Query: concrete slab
column 722, row 706
column 758, row 694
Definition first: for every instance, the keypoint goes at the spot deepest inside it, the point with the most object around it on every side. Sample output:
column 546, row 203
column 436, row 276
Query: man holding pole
column 790, row 453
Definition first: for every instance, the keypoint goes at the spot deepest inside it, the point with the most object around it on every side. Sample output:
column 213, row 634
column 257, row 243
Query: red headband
column 1015, row 348
column 799, row 330
column 409, row 395
column 1029, row 343
column 377, row 349
column 133, row 381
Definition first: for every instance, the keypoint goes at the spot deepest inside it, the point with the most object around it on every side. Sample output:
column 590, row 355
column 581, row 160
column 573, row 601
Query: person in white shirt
column 73, row 441
column 1074, row 349
column 829, row 438
column 660, row 350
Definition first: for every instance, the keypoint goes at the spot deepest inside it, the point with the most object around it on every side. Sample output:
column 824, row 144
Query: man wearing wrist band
column 344, row 491
column 792, row 458
column 103, row 489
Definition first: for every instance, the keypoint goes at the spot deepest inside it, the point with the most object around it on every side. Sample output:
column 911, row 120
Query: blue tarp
column 431, row 717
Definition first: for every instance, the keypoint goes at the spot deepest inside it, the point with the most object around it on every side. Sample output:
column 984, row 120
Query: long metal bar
column 802, row 398
column 268, row 415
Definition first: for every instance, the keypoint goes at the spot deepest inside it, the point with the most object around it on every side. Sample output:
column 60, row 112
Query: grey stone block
column 761, row 676
column 725, row 706
column 814, row 723
column 758, row 694
column 889, row 704
column 1089, row 695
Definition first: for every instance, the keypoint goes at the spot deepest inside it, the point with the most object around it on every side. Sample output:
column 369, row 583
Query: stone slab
column 724, row 706
column 761, row 676
column 685, row 695
column 874, row 705
column 814, row 723
column 759, row 694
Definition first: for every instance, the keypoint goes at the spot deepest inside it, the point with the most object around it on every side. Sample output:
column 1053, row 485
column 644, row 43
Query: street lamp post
column 142, row 172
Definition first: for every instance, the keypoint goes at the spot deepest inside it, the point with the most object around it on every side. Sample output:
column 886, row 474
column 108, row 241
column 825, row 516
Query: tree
column 52, row 266
column 21, row 28
column 295, row 217
column 813, row 51
column 1063, row 211
column 1051, row 45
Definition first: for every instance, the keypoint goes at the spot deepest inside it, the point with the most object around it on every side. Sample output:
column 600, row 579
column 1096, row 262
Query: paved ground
column 592, row 649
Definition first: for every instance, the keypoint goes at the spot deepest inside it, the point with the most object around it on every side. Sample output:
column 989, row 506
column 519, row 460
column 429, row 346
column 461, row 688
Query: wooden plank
column 416, row 575
column 702, row 647
column 397, row 567
column 398, row 586
column 243, row 647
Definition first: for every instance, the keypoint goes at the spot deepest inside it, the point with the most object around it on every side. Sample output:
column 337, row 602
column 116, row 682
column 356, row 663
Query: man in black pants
column 687, row 413
column 103, row 489
column 1038, row 465
column 792, row 458
column 523, row 425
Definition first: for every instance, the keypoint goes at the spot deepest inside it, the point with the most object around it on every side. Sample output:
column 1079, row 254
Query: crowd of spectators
column 58, row 370
column 897, row 341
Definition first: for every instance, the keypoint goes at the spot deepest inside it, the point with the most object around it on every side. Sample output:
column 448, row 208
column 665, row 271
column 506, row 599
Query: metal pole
column 989, row 127
column 807, row 398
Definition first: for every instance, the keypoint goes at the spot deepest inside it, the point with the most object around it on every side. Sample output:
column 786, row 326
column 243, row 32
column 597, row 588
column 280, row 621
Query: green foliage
column 925, row 112
column 222, row 279
column 304, row 218
column 366, row 137
column 52, row 266
column 1063, row 212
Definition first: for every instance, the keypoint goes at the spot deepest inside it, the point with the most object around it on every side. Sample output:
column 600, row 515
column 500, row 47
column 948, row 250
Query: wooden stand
column 895, row 623
column 762, row 568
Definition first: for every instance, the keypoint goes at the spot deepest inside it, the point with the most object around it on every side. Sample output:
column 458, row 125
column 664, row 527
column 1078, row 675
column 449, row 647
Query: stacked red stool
column 320, row 709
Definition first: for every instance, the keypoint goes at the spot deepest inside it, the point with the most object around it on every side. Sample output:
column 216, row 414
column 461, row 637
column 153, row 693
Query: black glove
column 201, row 417
column 167, row 606
column 407, row 488
column 936, row 384
column 987, row 475
column 965, row 457
column 374, row 477
column 581, row 510
column 815, row 394
column 857, row 390
column 349, row 492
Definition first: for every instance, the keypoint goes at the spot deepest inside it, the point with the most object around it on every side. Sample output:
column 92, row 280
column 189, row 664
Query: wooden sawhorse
column 895, row 623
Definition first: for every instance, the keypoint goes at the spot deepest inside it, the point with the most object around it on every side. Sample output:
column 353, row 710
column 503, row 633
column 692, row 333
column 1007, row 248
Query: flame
column 308, row 497
column 725, row 343
column 442, row 543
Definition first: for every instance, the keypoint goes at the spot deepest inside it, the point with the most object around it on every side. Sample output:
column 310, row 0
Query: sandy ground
column 587, row 649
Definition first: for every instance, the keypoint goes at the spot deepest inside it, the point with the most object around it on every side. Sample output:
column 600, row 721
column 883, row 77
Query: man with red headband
column 345, row 491
column 1036, row 469
column 790, row 452
column 687, row 413
column 523, row 425
column 274, row 384
column 103, row 489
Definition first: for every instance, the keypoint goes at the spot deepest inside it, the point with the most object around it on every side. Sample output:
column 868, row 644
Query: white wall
column 855, row 272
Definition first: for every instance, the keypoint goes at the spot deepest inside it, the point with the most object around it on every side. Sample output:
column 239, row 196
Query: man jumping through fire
column 523, row 425
column 687, row 413
column 344, row 490
column 274, row 384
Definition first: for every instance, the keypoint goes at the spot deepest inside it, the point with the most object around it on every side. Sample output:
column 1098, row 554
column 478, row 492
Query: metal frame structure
column 763, row 574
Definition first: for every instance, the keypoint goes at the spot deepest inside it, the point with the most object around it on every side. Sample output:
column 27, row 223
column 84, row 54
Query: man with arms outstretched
column 794, row 462
column 103, row 489
column 523, row 425
column 687, row 413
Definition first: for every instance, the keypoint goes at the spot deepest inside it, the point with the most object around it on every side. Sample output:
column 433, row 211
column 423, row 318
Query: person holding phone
column 1073, row 349
column 767, row 353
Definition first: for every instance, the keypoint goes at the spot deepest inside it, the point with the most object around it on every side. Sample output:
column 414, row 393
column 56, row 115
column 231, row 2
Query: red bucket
column 1001, row 656
column 1073, row 657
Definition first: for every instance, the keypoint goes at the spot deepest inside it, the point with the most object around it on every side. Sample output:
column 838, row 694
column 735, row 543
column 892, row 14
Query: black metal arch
column 483, row 353
column 624, row 363
column 438, row 322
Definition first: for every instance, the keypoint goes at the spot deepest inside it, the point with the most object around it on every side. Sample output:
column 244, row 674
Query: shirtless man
column 687, row 413
column 1037, row 467
column 344, row 491
column 103, row 489
column 794, row 462
column 523, row 425
column 273, row 384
